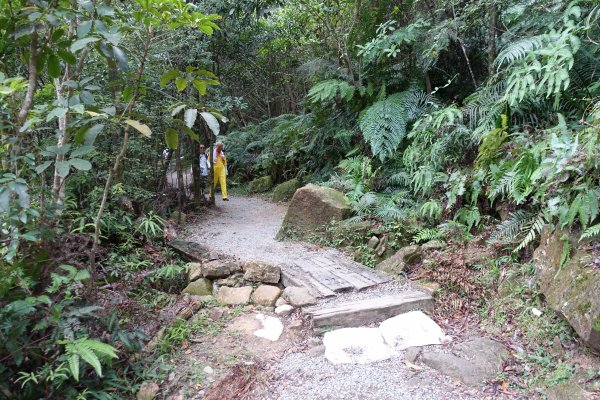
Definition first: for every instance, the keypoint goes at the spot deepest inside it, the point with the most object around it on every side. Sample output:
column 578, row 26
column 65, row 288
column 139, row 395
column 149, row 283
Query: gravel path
column 245, row 228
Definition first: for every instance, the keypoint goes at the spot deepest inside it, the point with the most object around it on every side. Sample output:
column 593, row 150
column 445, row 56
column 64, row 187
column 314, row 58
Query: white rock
column 208, row 370
column 411, row 329
column 536, row 312
column 284, row 309
column 272, row 328
column 355, row 345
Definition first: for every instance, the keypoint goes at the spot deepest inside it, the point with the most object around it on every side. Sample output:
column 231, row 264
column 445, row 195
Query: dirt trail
column 245, row 228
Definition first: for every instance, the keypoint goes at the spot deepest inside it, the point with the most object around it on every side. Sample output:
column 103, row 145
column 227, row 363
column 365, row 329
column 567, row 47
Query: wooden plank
column 291, row 275
column 369, row 273
column 357, row 281
column 364, row 312
column 323, row 275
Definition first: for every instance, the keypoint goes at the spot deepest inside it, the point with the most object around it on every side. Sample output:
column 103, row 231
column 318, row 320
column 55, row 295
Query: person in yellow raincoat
column 219, row 162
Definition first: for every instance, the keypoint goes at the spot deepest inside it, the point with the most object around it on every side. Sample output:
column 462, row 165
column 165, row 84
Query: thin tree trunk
column 464, row 50
column 119, row 158
column 33, row 53
column 492, row 37
column 196, row 173
column 180, row 183
column 58, row 186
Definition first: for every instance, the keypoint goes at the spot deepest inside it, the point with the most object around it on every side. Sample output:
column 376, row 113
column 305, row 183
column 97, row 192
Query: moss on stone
column 285, row 191
column 260, row 185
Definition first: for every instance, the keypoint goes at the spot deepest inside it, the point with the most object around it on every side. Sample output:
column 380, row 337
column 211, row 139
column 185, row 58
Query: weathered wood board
column 324, row 277
column 363, row 312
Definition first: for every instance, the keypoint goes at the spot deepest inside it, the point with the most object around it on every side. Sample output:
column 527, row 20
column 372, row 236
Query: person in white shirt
column 204, row 167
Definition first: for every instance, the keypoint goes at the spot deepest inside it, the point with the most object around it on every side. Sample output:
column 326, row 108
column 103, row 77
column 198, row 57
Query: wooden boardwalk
column 324, row 276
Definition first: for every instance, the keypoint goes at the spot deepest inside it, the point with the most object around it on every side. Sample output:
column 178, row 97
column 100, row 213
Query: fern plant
column 93, row 352
column 331, row 89
column 384, row 123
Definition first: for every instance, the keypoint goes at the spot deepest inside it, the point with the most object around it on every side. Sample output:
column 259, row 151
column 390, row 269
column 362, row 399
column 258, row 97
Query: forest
column 461, row 122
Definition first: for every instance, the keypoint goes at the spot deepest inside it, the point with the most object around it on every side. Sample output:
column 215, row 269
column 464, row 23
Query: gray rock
column 266, row 295
column 261, row 272
column 412, row 354
column 372, row 244
column 316, row 351
column 295, row 326
column 382, row 246
column 280, row 302
column 235, row 296
column 284, row 309
column 567, row 391
column 178, row 217
column 480, row 361
column 298, row 296
column 312, row 208
column 235, row 280
column 404, row 257
column 572, row 292
column 200, row 287
column 194, row 271
column 432, row 245
column 148, row 391
column 219, row 269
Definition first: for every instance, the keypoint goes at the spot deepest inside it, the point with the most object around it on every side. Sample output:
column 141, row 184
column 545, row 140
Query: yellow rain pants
column 220, row 176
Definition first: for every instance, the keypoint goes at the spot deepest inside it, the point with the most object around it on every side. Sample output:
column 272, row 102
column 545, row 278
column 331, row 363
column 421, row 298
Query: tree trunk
column 180, row 183
column 58, row 185
column 492, row 37
column 198, row 199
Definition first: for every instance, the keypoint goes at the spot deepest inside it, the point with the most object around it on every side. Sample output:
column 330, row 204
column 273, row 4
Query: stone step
column 364, row 312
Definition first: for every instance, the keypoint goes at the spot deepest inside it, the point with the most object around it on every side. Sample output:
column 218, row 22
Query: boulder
column 432, row 245
column 404, row 257
column 312, row 208
column 567, row 390
column 194, row 270
column 235, row 280
column 285, row 191
column 260, row 185
column 266, row 295
column 261, row 272
column 284, row 309
column 200, row 287
column 148, row 391
column 571, row 291
column 411, row 329
column 372, row 244
column 219, row 269
column 235, row 296
column 272, row 328
column 479, row 360
column 178, row 217
column 298, row 296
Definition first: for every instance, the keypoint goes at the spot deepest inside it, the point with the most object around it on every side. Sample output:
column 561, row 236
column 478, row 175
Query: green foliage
column 384, row 123
column 331, row 89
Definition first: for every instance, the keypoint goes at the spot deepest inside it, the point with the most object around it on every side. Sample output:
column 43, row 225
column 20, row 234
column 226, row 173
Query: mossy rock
column 260, row 185
column 571, row 290
column 285, row 191
column 312, row 209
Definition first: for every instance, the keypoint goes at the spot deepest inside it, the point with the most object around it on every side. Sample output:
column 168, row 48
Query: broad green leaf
column 58, row 112
column 82, row 151
column 143, row 129
column 190, row 117
column 169, row 76
column 212, row 122
column 81, row 43
column 53, row 66
column 42, row 167
column 200, row 85
column 207, row 73
column 80, row 164
column 105, row 11
column 181, row 83
column 84, row 28
column 62, row 168
column 67, row 57
column 172, row 138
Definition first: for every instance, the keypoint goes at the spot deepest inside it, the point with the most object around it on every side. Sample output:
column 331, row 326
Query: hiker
column 219, row 161
column 204, row 167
